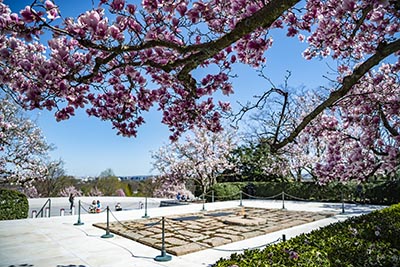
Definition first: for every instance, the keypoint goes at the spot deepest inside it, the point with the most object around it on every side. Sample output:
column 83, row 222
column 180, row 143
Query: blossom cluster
column 360, row 136
column 121, row 48
column 119, row 60
column 23, row 148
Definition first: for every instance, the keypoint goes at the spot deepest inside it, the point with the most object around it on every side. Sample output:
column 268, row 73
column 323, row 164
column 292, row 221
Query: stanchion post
column 283, row 237
column 283, row 200
column 342, row 201
column 241, row 203
column 163, row 256
column 34, row 213
column 79, row 214
column 107, row 234
column 62, row 212
column 204, row 203
column 212, row 196
column 49, row 207
column 145, row 209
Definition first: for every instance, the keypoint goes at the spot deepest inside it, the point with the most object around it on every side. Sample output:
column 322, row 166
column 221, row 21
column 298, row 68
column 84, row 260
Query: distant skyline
column 89, row 146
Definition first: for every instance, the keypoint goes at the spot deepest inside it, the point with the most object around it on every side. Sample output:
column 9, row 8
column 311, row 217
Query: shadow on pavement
column 352, row 208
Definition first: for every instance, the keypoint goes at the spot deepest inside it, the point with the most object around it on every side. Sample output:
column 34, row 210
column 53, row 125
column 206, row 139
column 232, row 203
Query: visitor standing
column 71, row 201
column 98, row 208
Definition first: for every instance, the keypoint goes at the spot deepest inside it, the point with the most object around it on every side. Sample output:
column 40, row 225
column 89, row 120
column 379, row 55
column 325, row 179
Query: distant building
column 135, row 177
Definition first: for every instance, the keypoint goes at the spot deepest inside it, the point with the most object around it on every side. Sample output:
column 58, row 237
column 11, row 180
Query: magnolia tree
column 67, row 191
column 342, row 143
column 94, row 191
column 23, row 148
column 118, row 60
column 200, row 158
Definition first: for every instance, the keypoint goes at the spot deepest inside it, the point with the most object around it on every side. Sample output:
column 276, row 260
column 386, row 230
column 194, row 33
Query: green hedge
column 367, row 240
column 383, row 192
column 13, row 205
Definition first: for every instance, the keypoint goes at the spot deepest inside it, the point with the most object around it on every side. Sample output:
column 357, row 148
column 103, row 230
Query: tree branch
column 382, row 51
column 386, row 123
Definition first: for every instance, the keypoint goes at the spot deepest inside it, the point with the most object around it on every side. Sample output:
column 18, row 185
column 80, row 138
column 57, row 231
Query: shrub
column 381, row 192
column 367, row 240
column 226, row 191
column 13, row 205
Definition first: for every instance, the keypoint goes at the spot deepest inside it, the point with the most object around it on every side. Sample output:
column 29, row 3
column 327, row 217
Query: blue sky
column 88, row 146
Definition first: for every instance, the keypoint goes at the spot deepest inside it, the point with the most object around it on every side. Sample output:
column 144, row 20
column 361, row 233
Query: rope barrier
column 208, row 194
column 355, row 202
column 82, row 207
column 148, row 225
column 225, row 197
column 262, row 198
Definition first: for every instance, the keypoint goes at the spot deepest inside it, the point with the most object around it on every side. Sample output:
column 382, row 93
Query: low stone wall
column 64, row 200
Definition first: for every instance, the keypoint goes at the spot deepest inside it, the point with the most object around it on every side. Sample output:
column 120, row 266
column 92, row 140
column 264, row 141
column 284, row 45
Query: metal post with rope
column 342, row 201
column 163, row 256
column 145, row 209
column 79, row 214
column 107, row 234
column 204, row 201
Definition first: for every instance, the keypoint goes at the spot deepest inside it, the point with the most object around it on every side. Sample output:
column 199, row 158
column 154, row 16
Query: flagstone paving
column 197, row 231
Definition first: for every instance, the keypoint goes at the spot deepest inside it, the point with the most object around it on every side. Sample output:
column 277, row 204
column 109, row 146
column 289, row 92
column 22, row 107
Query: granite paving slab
column 188, row 233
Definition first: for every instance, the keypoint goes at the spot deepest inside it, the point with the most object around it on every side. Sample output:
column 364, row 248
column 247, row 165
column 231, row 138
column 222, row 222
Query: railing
column 48, row 202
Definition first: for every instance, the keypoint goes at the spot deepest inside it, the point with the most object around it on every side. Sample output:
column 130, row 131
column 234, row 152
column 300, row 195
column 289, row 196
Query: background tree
column 255, row 162
column 120, row 59
column 266, row 122
column 201, row 158
column 53, row 182
column 23, row 148
column 148, row 187
column 107, row 183
column 107, row 173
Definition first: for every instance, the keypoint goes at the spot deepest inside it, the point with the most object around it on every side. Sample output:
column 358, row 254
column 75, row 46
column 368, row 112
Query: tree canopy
column 23, row 148
column 118, row 60
column 200, row 158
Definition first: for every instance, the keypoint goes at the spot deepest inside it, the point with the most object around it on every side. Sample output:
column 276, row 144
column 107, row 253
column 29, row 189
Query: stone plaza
column 59, row 242
column 192, row 232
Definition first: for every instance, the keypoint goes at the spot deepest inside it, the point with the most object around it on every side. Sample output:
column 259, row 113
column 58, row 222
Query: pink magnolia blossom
column 95, row 192
column 117, row 61
column 67, row 191
column 120, row 192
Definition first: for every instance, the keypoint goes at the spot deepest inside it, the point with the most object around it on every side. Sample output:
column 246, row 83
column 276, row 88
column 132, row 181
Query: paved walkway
column 57, row 242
